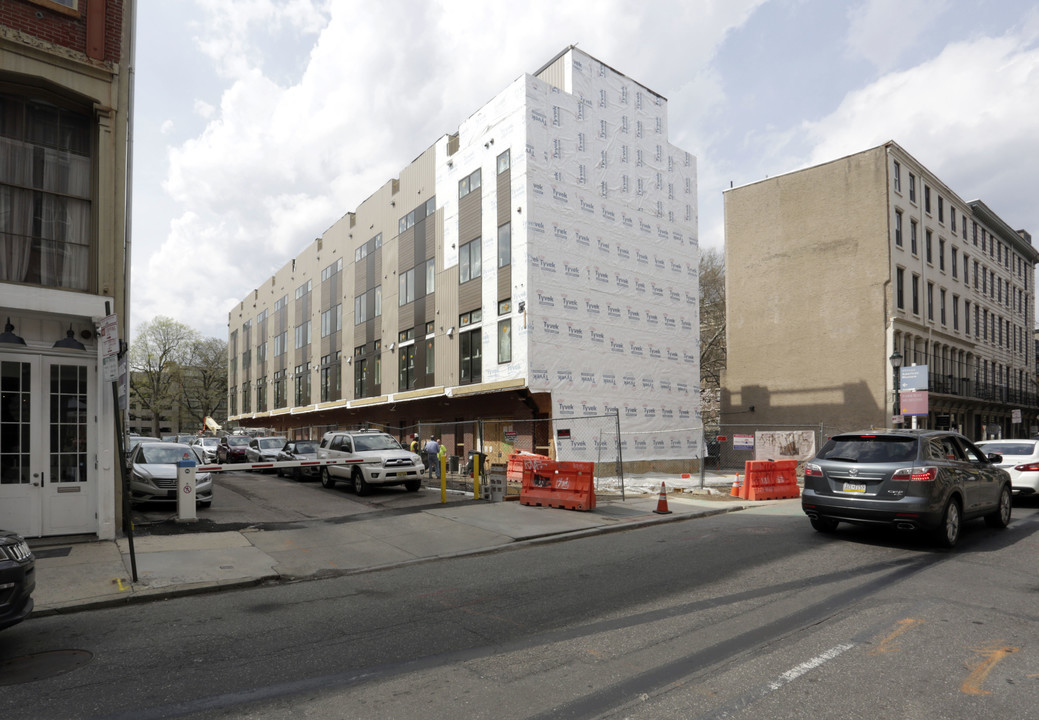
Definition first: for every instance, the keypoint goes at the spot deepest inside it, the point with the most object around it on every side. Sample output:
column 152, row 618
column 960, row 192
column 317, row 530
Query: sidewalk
column 98, row 574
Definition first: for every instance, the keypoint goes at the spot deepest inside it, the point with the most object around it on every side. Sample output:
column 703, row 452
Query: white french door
column 48, row 479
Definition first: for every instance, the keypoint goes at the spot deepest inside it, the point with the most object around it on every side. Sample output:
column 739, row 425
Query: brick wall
column 68, row 30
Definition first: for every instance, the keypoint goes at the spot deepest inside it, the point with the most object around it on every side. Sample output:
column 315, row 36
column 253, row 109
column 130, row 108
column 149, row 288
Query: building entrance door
column 48, row 483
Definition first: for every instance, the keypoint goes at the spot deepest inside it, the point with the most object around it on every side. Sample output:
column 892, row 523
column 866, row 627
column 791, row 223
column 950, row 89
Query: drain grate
column 52, row 552
column 29, row 668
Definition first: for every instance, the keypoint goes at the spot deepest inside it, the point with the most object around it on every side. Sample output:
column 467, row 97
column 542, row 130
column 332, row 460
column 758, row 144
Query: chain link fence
column 729, row 447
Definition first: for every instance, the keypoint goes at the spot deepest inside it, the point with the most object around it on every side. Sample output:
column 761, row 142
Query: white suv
column 373, row 458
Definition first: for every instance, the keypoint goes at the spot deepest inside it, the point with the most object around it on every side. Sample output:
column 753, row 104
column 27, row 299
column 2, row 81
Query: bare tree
column 204, row 381
column 158, row 355
column 712, row 332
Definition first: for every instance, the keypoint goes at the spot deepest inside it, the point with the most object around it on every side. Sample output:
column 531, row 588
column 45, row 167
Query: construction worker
column 432, row 448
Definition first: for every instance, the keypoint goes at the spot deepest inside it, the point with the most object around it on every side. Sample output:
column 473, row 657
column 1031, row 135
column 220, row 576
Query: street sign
column 108, row 333
column 913, row 377
column 914, row 402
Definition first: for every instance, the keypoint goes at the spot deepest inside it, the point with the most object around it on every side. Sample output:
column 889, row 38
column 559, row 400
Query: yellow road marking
column 885, row 644
column 119, row 584
column 991, row 655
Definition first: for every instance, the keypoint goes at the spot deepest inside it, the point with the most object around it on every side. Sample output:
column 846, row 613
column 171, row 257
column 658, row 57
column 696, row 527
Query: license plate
column 855, row 487
column 392, row 474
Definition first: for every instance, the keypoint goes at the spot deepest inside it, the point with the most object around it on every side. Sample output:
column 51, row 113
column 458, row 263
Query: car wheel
column 1000, row 517
column 824, row 525
column 948, row 533
column 278, row 472
column 326, row 479
column 412, row 485
column 361, row 486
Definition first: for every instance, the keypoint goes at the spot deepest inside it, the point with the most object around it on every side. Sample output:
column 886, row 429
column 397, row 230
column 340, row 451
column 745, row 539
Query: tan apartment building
column 65, row 102
column 540, row 262
column 838, row 272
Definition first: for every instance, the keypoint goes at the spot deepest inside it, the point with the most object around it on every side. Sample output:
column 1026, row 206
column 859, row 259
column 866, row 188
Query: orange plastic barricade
column 771, row 480
column 521, row 466
column 569, row 485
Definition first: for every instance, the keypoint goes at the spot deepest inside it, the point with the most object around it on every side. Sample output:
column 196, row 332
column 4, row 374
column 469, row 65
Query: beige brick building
column 833, row 269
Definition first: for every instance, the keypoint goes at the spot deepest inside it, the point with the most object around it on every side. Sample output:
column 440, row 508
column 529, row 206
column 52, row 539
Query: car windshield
column 1024, row 448
column 236, row 440
column 210, row 441
column 163, row 455
column 364, row 443
column 305, row 448
column 869, row 449
column 272, row 443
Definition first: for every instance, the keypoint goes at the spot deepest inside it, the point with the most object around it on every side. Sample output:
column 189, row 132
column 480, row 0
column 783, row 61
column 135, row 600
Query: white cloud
column 971, row 115
column 882, row 30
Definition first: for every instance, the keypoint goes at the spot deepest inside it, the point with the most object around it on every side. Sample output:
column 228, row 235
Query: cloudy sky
column 259, row 123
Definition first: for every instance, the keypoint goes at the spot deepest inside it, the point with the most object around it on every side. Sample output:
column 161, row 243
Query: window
column 431, row 365
column 955, row 312
column 469, row 262
column 302, row 385
column 332, row 269
column 930, row 301
column 912, row 187
column 927, row 245
column 332, row 320
column 952, row 219
column 953, row 261
column 360, row 310
column 46, row 184
column 503, row 162
column 246, row 396
column 900, row 281
column 941, row 305
column 898, row 177
column 361, row 377
column 912, row 236
column 898, row 228
column 281, row 344
column 941, row 209
column 406, row 293
column 430, row 275
column 303, row 335
column 470, row 350
column 303, row 289
column 941, row 254
column 261, row 395
column 916, row 294
column 927, row 200
column 505, row 245
column 966, row 316
column 468, row 184
column 407, row 367
column 505, row 340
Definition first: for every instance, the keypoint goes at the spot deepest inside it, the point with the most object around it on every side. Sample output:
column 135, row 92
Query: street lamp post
column 896, row 365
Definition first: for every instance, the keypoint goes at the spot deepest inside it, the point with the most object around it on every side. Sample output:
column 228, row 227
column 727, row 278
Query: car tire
column 1000, row 517
column 278, row 472
column 948, row 532
column 360, row 485
column 824, row 525
column 412, row 485
column 326, row 479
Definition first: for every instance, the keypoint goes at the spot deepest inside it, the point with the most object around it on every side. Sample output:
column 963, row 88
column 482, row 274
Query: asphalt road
column 744, row 615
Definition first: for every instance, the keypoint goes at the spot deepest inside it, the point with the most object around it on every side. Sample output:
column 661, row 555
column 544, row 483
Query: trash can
column 483, row 463
column 452, row 464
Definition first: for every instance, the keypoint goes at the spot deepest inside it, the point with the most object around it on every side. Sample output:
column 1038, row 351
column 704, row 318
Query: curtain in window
column 15, row 231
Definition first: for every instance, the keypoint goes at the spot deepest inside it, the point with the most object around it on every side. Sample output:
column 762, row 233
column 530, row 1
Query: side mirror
column 995, row 458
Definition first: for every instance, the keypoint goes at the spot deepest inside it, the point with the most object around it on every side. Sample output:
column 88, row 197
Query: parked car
column 183, row 439
column 209, row 444
column 298, row 450
column 1020, row 460
column 263, row 449
column 375, row 458
column 133, row 441
column 17, row 579
column 153, row 473
column 908, row 479
column 232, row 449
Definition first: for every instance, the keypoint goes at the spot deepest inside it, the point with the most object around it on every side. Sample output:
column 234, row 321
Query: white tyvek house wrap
column 605, row 254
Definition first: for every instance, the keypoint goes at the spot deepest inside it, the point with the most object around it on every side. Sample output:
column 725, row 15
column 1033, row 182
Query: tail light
column 812, row 470
column 912, row 474
column 1027, row 467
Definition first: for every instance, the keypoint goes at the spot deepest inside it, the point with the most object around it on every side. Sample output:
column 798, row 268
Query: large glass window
column 469, row 261
column 505, row 340
column 406, row 291
column 470, row 356
column 505, row 245
column 407, row 367
column 45, row 188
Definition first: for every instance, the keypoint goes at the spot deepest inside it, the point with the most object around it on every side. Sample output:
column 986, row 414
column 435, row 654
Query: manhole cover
column 29, row 668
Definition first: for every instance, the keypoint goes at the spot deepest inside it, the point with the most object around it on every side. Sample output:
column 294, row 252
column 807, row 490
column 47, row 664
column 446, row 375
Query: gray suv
column 372, row 458
column 908, row 479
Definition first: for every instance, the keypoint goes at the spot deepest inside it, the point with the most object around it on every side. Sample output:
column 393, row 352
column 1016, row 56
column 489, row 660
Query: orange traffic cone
column 662, row 502
column 736, row 486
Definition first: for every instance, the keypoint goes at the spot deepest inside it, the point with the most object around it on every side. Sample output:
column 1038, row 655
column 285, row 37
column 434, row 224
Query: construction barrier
column 770, row 480
column 568, row 485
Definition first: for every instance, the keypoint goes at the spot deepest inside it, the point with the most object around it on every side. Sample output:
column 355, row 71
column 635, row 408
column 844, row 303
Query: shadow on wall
column 842, row 407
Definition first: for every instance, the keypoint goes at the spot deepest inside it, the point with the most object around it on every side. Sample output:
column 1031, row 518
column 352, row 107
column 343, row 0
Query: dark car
column 299, row 450
column 927, row 480
column 17, row 579
column 232, row 449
